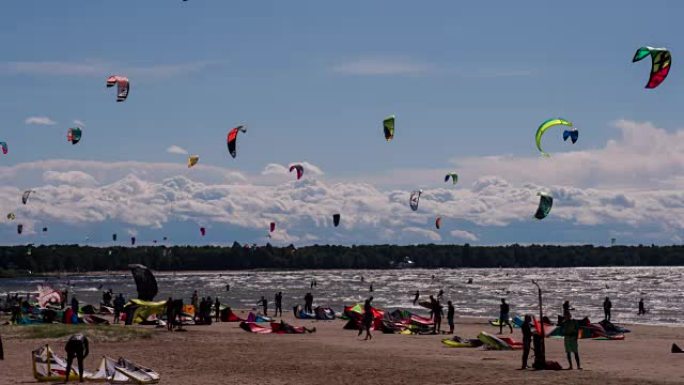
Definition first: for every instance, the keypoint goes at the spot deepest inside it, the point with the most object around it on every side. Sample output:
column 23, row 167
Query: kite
column 336, row 219
column 203, row 231
column 388, row 127
column 453, row 176
column 114, row 237
column 45, row 229
column 192, row 160
column 661, row 59
column 25, row 196
column 544, row 127
column 132, row 241
column 414, row 198
column 438, row 222
column 572, row 133
column 299, row 168
column 3, row 145
column 11, row 216
column 20, row 228
column 545, row 203
column 272, row 227
column 232, row 139
column 74, row 135
column 123, row 86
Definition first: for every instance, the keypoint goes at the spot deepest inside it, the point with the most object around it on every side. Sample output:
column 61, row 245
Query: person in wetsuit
column 170, row 315
column 450, row 316
column 607, row 306
column 504, row 318
column 415, row 298
column 279, row 303
column 76, row 347
column 217, row 310
column 526, row 339
column 642, row 309
column 263, row 302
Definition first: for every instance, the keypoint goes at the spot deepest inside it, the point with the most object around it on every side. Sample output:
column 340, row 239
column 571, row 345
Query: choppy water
column 584, row 287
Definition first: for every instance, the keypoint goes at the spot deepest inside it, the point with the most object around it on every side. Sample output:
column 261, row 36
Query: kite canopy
column 114, row 237
column 414, row 199
column 3, row 145
column 123, row 86
column 272, row 227
column 132, row 241
column 25, row 196
column 544, row 127
column 545, row 203
column 74, row 135
column 573, row 134
column 11, row 216
column 661, row 59
column 388, row 127
column 203, row 231
column 144, row 282
column 20, row 228
column 192, row 160
column 453, row 176
column 438, row 222
column 336, row 219
column 299, row 168
column 232, row 139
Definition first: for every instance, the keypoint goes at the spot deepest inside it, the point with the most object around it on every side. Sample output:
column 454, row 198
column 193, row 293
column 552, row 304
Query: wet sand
column 225, row 354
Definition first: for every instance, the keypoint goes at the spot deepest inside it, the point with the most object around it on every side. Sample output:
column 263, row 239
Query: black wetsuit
column 527, row 341
column 278, row 304
column 77, row 347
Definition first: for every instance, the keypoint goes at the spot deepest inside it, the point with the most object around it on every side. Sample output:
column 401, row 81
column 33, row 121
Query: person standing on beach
column 279, row 303
column 263, row 302
column 607, row 306
column 415, row 299
column 504, row 318
column 217, row 310
column 194, row 301
column 570, row 335
column 76, row 347
column 367, row 321
column 526, row 339
column 642, row 309
column 308, row 303
column 437, row 310
column 566, row 308
column 432, row 306
column 74, row 305
column 450, row 316
column 119, row 303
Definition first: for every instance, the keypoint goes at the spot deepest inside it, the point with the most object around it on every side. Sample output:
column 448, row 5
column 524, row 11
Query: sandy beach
column 225, row 354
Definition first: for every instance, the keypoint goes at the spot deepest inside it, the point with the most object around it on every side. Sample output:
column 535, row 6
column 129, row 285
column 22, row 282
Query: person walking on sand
column 570, row 335
column 607, row 306
column 450, row 316
column 367, row 321
column 76, row 347
column 504, row 318
column 526, row 339
column 642, row 309
column 217, row 310
column 415, row 298
column 263, row 302
column 279, row 303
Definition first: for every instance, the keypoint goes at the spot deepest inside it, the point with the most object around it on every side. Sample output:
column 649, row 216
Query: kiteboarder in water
column 504, row 311
column 77, row 347
column 642, row 309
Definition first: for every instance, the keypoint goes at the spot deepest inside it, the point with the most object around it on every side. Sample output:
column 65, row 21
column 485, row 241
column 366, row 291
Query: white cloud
column 40, row 120
column 176, row 150
column 98, row 68
column 464, row 235
column 74, row 178
column 79, row 123
column 382, row 65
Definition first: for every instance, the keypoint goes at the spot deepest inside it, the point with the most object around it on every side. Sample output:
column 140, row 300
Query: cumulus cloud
column 176, row 150
column 40, row 121
column 74, row 178
column 463, row 235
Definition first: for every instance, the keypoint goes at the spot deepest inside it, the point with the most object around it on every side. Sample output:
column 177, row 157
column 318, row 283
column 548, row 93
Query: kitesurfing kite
column 414, row 199
column 123, row 86
column 544, row 127
column 45, row 229
column 25, row 196
column 336, row 219
column 114, row 237
column 132, row 241
column 545, row 204
column 232, row 139
column 571, row 133
column 453, row 176
column 11, row 216
column 3, row 145
column 192, row 160
column 388, row 127
column 299, row 168
column 438, row 222
column 20, row 228
column 661, row 59
column 272, row 227
column 74, row 135
column 203, row 231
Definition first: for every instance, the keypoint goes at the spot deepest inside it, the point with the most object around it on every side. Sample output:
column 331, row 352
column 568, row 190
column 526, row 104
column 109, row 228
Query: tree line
column 23, row 260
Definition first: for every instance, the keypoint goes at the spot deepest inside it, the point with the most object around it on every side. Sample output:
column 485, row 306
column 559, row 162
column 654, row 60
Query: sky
column 312, row 81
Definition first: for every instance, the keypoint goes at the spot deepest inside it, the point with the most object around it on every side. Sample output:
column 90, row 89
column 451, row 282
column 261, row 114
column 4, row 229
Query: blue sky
column 313, row 81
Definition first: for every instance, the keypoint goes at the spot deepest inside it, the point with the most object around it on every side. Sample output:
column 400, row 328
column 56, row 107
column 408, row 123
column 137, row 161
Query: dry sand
column 225, row 354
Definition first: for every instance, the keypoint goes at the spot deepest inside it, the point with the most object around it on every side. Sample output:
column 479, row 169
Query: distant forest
column 23, row 260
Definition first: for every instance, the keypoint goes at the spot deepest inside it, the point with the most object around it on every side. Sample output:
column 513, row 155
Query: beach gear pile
column 48, row 366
